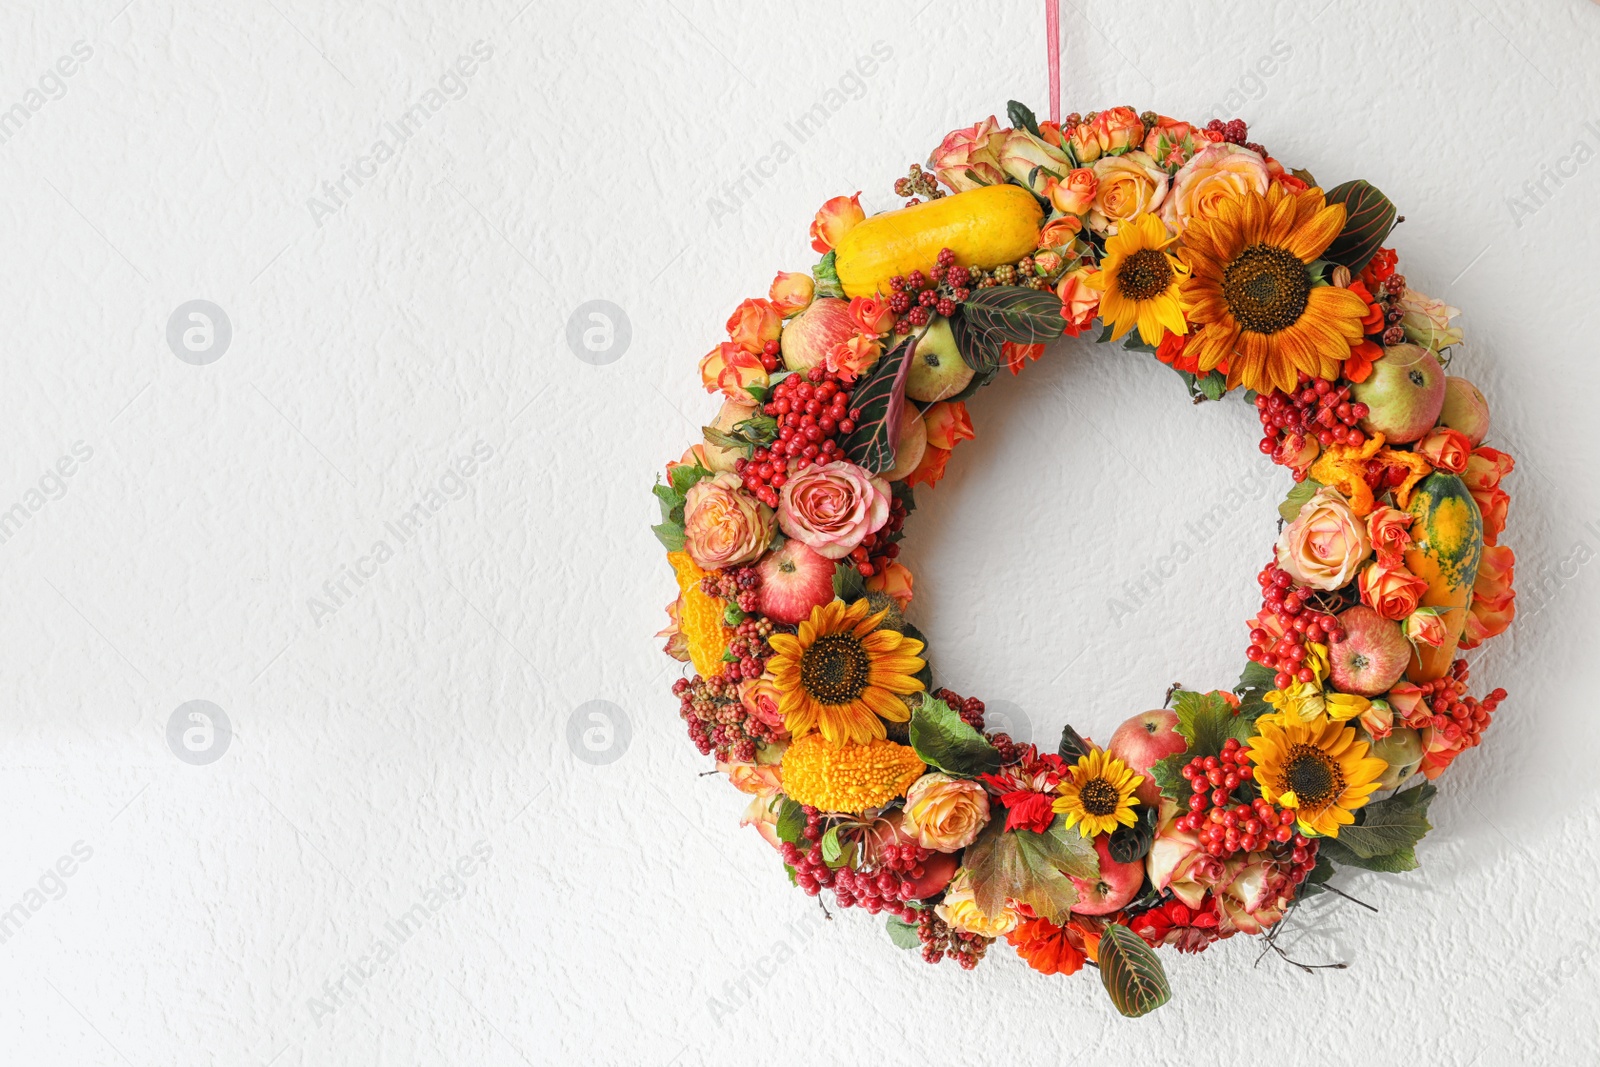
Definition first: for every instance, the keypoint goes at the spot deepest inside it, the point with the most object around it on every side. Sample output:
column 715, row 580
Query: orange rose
column 753, row 323
column 1110, row 132
column 1425, row 626
column 1217, row 173
column 1015, row 356
column 1075, row 195
column 1130, row 185
column 1391, row 590
column 894, row 582
column 1389, row 529
column 1060, row 233
column 757, row 779
column 1079, row 303
column 930, row 468
column 854, row 356
column 730, row 368
column 1171, row 142
column 835, row 219
column 872, row 314
column 947, row 423
column 1494, row 601
column 1483, row 472
column 1446, row 449
column 791, row 292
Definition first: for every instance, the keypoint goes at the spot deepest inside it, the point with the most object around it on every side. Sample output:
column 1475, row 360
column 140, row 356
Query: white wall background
column 622, row 916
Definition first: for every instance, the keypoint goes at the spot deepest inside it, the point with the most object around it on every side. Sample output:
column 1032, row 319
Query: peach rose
column 1171, row 142
column 753, row 323
column 1060, row 233
column 1109, row 132
column 763, row 815
column 930, row 468
column 1425, row 626
column 1426, row 321
column 1326, row 543
column 969, row 158
column 1296, row 451
column 1485, row 468
column 945, row 813
column 1217, row 172
column 830, row 507
column 948, row 423
column 1176, row 861
column 791, row 293
column 1446, row 449
column 1079, row 302
column 757, row 779
column 677, row 644
column 854, row 356
column 1074, row 195
column 1391, row 590
column 1494, row 601
column 730, row 368
column 894, row 582
column 1407, row 700
column 723, row 526
column 835, row 219
column 1130, row 186
column 872, row 314
column 960, row 909
column 1031, row 162
column 760, row 697
column 1389, row 529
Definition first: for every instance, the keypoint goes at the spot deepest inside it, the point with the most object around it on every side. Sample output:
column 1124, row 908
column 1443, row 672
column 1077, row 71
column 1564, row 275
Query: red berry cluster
column 1225, row 828
column 886, row 886
column 1234, row 131
column 877, row 550
column 748, row 650
column 1300, row 623
column 916, row 296
column 1459, row 717
column 736, row 585
column 769, row 356
column 718, row 721
column 813, row 412
column 940, row 940
column 1320, row 409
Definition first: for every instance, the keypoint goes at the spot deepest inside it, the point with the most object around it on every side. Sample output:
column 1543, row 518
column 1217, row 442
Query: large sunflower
column 1318, row 768
column 1250, row 296
column 1098, row 795
column 1138, row 280
column 840, row 673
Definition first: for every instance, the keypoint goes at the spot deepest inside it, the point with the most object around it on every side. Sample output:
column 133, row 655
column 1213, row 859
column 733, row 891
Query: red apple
column 1403, row 394
column 794, row 579
column 1371, row 656
column 1465, row 410
column 1117, row 885
column 1144, row 739
column 811, row 335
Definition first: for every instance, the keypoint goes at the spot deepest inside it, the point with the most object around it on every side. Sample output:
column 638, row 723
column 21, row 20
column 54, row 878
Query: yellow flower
column 960, row 910
column 1140, row 281
column 848, row 777
column 1098, row 795
column 1301, row 702
column 840, row 673
column 1343, row 707
column 1317, row 768
column 1250, row 293
column 1317, row 659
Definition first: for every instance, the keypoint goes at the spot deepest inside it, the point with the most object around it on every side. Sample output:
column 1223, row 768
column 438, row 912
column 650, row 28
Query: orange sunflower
column 840, row 673
column 1250, row 296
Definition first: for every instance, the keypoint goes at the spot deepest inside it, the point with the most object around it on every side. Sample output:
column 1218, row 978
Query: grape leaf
column 1131, row 972
column 791, row 822
column 1390, row 826
column 943, row 741
column 1206, row 721
column 1290, row 508
column 1034, row 869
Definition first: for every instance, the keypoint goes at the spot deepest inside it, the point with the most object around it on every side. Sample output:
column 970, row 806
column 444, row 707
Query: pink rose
column 945, row 813
column 1218, row 172
column 1390, row 531
column 1326, row 543
column 1391, row 590
column 1130, row 186
column 975, row 149
column 791, row 293
column 1253, row 893
column 1447, row 449
column 1031, row 162
column 1075, row 195
column 723, row 526
column 835, row 219
column 830, row 507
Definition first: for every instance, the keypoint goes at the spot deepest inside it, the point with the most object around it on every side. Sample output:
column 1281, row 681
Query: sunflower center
column 1266, row 288
column 1099, row 797
column 1313, row 775
column 1145, row 275
column 834, row 670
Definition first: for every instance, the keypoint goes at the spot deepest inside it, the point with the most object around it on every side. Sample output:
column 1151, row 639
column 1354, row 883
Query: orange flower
column 872, row 314
column 1080, row 303
column 1048, row 948
column 1483, row 472
column 947, row 423
column 1060, row 233
column 1494, row 601
column 1171, row 352
column 791, row 292
column 1446, row 449
column 930, row 468
column 851, row 358
column 1017, row 356
column 753, row 323
column 730, row 368
column 1391, row 590
column 835, row 218
column 1358, row 368
column 1075, row 195
column 894, row 581
column 1389, row 530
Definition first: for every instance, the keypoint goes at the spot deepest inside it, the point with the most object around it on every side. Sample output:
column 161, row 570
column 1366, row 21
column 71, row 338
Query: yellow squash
column 1447, row 536
column 699, row 617
column 984, row 227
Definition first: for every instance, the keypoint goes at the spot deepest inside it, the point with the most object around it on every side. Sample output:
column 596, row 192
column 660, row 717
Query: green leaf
column 980, row 351
column 791, row 822
column 827, row 277
column 1213, row 386
column 1206, row 720
column 670, row 534
column 1022, row 115
column 1290, row 508
column 1073, row 747
column 1254, row 684
column 1128, row 843
column 903, row 934
column 1370, row 216
column 1014, row 313
column 1035, row 869
column 1390, row 826
column 881, row 398
column 685, row 475
column 1168, row 776
column 943, row 741
column 848, row 585
column 1131, row 972
column 1392, row 863
column 1305, row 176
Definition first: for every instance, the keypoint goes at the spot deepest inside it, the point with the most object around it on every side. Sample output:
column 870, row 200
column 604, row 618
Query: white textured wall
column 384, row 747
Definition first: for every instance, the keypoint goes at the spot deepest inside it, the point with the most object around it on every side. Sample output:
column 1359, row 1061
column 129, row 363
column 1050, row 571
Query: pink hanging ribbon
column 1052, row 21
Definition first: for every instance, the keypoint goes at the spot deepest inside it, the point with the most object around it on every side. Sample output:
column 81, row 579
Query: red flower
column 1358, row 367
column 1026, row 789
column 1016, row 356
column 1379, row 267
column 1175, row 923
column 1048, row 948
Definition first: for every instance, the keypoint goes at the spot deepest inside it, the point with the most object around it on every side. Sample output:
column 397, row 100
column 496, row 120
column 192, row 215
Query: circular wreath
column 843, row 388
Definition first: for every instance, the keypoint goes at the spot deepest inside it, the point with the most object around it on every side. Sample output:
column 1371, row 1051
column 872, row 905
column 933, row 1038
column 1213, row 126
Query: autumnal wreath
column 843, row 389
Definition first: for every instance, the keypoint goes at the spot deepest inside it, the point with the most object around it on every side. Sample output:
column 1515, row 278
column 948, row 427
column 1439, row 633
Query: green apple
column 1465, row 410
column 937, row 369
column 1403, row 394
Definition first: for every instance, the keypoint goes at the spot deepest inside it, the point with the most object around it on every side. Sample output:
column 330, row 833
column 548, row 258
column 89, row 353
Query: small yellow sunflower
column 1250, row 295
column 840, row 673
column 1138, row 279
column 1097, row 796
column 1318, row 768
